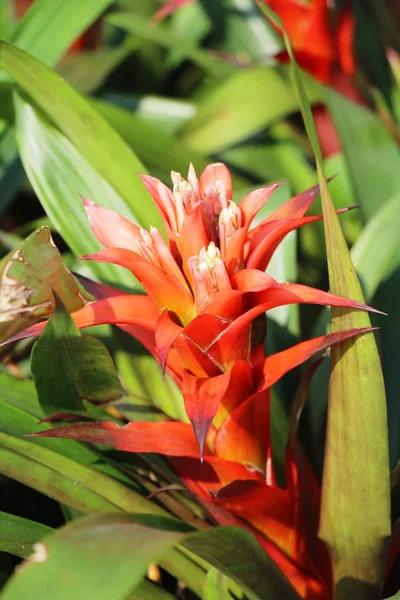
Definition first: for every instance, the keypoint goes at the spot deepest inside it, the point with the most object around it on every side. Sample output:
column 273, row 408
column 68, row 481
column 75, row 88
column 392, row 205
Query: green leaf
column 103, row 556
column 371, row 154
column 76, row 485
column 30, row 276
column 143, row 378
column 217, row 586
column 85, row 128
column 17, row 535
column 373, row 252
column 246, row 103
column 68, row 367
column 50, row 26
column 20, row 393
column 237, row 554
column 58, row 173
column 160, row 35
column 7, row 19
column 356, row 532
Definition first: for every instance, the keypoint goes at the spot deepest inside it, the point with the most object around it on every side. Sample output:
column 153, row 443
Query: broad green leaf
column 237, row 554
column 356, row 532
column 160, row 35
column 18, row 535
column 91, row 134
column 59, row 173
column 244, row 104
column 68, row 367
column 50, row 26
column 30, row 276
column 102, row 556
column 371, row 154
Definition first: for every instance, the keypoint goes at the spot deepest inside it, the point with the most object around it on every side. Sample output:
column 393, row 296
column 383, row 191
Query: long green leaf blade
column 17, row 535
column 81, row 123
column 355, row 513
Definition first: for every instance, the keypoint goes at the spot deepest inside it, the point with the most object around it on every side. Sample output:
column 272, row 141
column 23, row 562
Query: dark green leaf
column 17, row 535
column 236, row 553
column 103, row 556
column 68, row 367
column 160, row 35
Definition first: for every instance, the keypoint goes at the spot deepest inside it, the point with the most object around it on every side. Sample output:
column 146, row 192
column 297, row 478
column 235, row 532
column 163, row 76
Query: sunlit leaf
column 68, row 367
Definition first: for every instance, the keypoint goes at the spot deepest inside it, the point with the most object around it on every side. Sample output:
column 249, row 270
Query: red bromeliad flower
column 203, row 318
column 321, row 39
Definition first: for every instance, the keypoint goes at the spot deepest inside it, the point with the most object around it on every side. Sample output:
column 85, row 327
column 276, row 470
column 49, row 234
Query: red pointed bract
column 111, row 229
column 164, row 288
column 170, row 438
column 276, row 365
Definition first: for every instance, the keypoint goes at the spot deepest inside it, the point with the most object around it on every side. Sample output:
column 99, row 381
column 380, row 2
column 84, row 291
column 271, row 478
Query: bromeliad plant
column 203, row 319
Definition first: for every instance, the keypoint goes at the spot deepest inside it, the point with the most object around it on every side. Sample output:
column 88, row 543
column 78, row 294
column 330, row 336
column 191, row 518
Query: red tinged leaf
column 295, row 207
column 264, row 239
column 244, row 435
column 193, row 239
column 170, row 438
column 111, row 229
column 213, row 173
column 226, row 305
column 202, row 397
column 163, row 198
column 276, row 365
column 96, row 289
column 240, row 387
column 267, row 508
column 253, row 202
column 139, row 312
column 305, row 489
column 169, row 8
column 205, row 479
column 166, row 333
column 164, row 288
column 269, row 293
